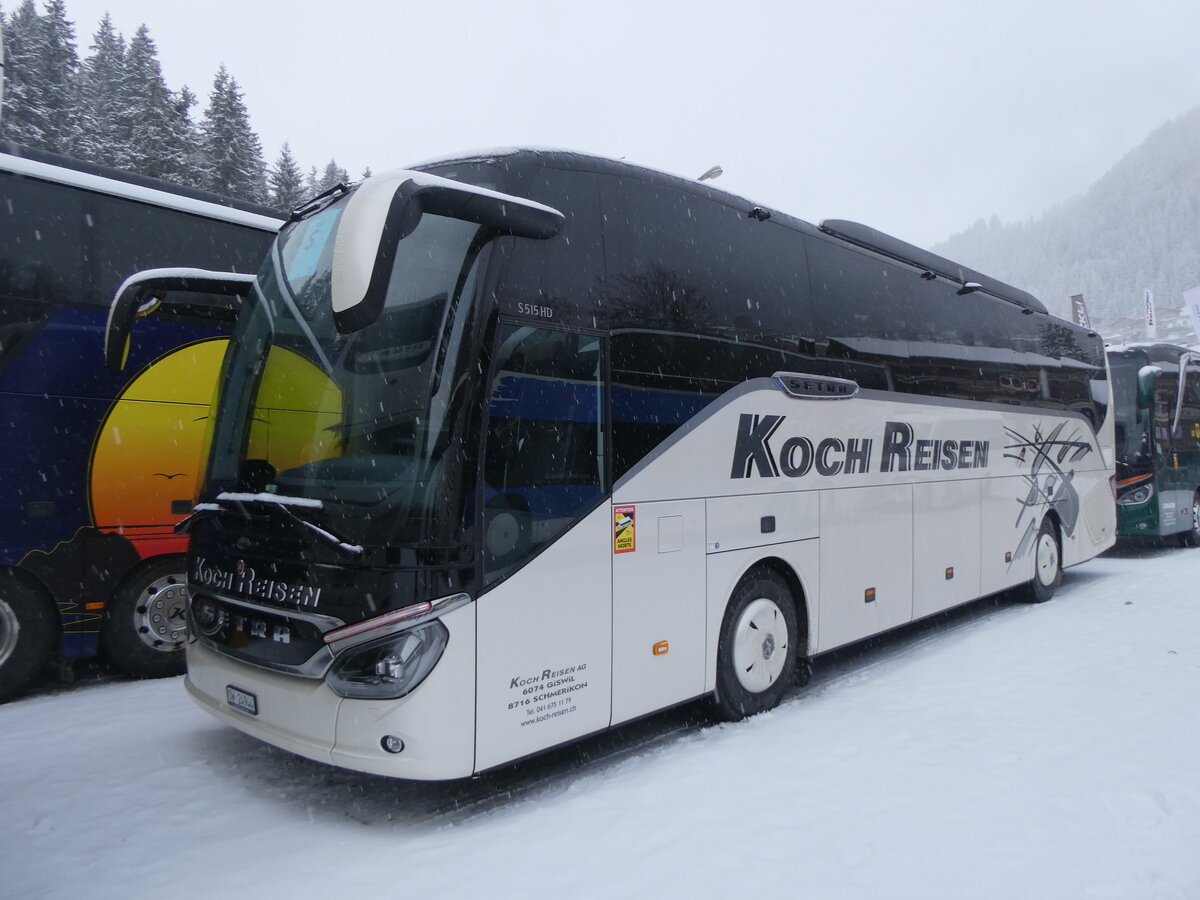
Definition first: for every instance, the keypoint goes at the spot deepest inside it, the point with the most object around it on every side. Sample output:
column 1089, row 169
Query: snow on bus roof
column 42, row 171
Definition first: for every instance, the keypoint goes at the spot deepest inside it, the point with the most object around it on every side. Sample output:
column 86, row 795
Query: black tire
column 28, row 632
column 1191, row 537
column 757, row 648
column 145, row 626
column 1047, row 564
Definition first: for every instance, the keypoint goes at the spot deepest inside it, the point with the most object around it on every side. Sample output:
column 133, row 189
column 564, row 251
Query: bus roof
column 861, row 236
column 1152, row 350
column 44, row 166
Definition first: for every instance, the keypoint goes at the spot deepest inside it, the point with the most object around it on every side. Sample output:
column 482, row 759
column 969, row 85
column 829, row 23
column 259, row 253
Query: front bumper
column 436, row 722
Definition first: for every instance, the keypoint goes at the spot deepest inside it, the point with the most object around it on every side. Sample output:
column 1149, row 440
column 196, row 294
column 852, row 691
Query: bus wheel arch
column 29, row 631
column 759, row 643
column 145, row 623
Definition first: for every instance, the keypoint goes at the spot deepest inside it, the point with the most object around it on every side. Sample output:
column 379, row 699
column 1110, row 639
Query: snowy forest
column 1135, row 228
column 114, row 107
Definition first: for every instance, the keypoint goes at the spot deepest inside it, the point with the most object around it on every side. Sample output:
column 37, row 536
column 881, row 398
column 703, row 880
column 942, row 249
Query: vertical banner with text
column 1079, row 313
column 1191, row 300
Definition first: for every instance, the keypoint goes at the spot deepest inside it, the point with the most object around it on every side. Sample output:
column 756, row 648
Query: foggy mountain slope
column 1137, row 227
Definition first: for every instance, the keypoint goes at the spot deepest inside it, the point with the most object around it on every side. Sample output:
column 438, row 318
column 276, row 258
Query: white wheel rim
column 760, row 645
column 1047, row 559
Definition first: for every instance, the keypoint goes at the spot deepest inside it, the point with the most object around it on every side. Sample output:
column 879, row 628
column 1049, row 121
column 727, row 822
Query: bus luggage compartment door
column 866, row 562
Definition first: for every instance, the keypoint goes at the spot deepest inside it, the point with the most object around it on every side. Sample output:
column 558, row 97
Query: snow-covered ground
column 999, row 751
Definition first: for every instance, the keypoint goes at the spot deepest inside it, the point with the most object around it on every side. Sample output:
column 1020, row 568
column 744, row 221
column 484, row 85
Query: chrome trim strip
column 325, row 623
column 438, row 608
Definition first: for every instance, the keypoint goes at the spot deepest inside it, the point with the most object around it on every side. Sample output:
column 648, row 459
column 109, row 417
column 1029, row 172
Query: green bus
column 1156, row 390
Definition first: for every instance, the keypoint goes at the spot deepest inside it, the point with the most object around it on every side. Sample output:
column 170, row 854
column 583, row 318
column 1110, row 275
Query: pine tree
column 312, row 184
column 286, row 181
column 333, row 174
column 158, row 138
column 196, row 166
column 24, row 113
column 232, row 151
column 366, row 173
column 57, row 79
column 104, row 117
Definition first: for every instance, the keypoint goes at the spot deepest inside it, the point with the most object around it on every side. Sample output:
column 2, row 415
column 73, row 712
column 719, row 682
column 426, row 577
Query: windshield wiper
column 319, row 202
column 280, row 502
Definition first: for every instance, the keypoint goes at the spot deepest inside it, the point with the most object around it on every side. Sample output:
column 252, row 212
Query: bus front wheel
column 145, row 626
column 1047, row 564
column 757, row 648
column 28, row 626
column 1191, row 537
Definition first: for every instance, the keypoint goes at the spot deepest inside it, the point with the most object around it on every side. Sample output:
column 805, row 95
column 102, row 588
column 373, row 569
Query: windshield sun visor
column 386, row 208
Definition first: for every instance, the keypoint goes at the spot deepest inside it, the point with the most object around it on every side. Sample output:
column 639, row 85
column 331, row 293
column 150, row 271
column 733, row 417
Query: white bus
column 513, row 449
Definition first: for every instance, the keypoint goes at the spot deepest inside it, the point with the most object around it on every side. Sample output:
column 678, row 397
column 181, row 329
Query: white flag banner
column 1151, row 322
column 1079, row 313
column 1191, row 300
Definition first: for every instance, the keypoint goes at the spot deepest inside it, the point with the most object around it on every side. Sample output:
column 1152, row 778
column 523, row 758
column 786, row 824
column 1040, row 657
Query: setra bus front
column 332, row 562
column 1156, row 392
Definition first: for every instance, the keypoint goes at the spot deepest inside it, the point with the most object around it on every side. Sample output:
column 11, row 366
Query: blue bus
column 97, row 468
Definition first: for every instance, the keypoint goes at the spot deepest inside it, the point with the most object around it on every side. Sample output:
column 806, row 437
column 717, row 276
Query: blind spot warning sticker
column 624, row 529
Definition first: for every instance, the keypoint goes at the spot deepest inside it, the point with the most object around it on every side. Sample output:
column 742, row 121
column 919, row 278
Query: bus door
column 1173, row 491
column 544, row 618
column 1177, row 434
column 659, row 603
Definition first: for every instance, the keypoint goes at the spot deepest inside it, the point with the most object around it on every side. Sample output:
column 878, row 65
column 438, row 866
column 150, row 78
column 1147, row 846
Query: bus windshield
column 361, row 422
column 1133, row 435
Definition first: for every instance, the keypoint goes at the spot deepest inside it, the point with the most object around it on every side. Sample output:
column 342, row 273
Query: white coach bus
column 515, row 448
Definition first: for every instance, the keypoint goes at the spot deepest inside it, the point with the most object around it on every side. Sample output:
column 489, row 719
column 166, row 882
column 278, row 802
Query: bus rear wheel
column 757, row 647
column 145, row 628
column 1191, row 537
column 28, row 625
column 1047, row 564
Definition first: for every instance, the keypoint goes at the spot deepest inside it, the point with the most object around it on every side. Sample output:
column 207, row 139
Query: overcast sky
column 917, row 117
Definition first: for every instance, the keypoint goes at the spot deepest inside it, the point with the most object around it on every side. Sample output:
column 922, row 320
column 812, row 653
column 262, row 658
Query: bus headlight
column 390, row 667
column 1137, row 496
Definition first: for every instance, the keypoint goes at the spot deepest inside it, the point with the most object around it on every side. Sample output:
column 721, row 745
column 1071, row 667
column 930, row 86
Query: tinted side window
column 545, row 459
column 19, row 321
column 702, row 297
column 128, row 237
column 560, row 280
column 1189, row 419
column 75, row 247
column 1166, row 390
column 970, row 346
column 684, row 263
column 43, row 255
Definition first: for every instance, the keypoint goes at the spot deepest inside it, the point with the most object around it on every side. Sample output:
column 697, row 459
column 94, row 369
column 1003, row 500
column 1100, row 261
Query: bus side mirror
column 143, row 293
column 387, row 208
column 1145, row 386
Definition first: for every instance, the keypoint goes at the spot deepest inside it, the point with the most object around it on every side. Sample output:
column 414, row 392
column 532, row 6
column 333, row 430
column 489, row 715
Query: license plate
column 243, row 700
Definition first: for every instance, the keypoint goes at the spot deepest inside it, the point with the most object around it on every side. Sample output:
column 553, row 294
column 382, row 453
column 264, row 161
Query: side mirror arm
column 142, row 293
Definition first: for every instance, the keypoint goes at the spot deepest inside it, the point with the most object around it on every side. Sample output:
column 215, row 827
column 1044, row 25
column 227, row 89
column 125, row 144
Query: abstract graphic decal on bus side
column 799, row 455
column 1050, row 483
